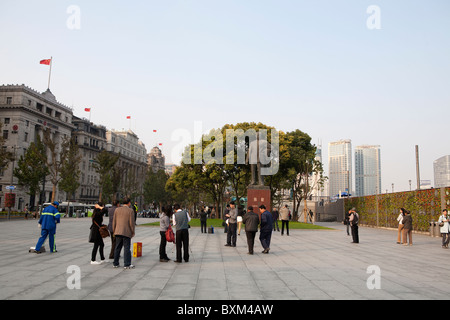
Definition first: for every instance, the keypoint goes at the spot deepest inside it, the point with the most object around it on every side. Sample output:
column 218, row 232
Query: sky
column 335, row 69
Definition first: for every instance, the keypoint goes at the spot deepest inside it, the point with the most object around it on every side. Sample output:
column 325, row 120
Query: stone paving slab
column 307, row 265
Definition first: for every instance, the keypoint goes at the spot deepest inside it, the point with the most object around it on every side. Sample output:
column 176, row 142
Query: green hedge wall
column 424, row 205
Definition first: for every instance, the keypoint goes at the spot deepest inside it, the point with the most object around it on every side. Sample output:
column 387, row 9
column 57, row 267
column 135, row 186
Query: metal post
column 417, row 167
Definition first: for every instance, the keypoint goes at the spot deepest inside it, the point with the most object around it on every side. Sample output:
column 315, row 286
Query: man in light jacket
column 284, row 216
column 232, row 225
column 123, row 227
column 445, row 229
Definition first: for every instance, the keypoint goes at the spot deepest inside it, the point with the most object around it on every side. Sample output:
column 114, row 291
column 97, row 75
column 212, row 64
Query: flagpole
column 50, row 72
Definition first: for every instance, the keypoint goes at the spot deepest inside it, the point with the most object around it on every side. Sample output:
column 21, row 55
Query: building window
column 26, row 137
column 5, row 134
column 8, row 100
column 7, row 120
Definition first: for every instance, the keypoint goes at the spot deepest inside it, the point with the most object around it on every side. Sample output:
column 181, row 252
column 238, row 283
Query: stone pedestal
column 258, row 195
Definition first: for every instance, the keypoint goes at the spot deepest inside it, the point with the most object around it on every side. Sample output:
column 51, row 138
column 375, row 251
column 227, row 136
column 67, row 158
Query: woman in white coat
column 445, row 228
column 400, row 226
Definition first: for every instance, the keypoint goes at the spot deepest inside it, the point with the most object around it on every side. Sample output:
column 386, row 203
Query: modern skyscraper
column 340, row 167
column 367, row 170
column 442, row 172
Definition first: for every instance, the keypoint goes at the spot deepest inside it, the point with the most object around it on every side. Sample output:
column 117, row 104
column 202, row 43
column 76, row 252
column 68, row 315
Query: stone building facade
column 24, row 114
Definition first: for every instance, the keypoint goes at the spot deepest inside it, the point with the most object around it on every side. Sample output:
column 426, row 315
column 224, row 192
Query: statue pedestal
column 258, row 195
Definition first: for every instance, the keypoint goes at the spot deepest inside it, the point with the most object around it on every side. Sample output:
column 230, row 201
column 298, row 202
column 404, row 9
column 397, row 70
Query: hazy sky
column 309, row 65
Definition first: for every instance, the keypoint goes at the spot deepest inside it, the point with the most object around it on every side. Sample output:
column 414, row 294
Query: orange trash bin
column 137, row 249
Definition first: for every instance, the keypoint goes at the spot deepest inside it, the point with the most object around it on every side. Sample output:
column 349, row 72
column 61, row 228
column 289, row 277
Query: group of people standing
column 121, row 226
column 251, row 220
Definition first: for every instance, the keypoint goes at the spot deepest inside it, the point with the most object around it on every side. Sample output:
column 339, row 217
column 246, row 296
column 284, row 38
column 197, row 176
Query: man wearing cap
column 48, row 220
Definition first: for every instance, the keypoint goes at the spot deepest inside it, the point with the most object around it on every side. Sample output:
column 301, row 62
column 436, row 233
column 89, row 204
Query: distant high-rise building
column 367, row 170
column 340, row 167
column 442, row 172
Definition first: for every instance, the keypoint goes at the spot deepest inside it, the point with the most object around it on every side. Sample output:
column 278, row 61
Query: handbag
column 170, row 237
column 103, row 229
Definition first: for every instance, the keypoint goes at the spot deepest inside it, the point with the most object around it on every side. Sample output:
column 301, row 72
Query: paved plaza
column 308, row 264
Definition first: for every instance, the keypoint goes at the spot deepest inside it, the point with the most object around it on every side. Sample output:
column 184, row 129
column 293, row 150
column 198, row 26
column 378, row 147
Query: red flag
column 128, row 117
column 160, row 144
column 46, row 61
column 154, row 130
column 87, row 109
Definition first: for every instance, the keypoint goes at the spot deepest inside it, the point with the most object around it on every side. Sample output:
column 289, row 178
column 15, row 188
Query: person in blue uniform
column 48, row 220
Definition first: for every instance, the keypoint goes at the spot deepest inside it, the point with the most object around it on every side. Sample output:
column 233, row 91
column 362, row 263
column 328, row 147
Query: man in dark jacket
column 251, row 221
column 266, row 228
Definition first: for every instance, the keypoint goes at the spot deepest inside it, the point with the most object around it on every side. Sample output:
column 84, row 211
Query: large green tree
column 104, row 165
column 155, row 187
column 31, row 168
column 298, row 163
column 70, row 170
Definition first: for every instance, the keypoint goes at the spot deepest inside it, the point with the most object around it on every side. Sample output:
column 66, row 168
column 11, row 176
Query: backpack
column 170, row 237
column 355, row 218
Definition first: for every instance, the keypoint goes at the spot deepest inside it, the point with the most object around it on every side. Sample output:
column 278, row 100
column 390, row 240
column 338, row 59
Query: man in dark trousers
column 181, row 222
column 251, row 221
column 266, row 228
column 232, row 225
column 203, row 219
column 354, row 220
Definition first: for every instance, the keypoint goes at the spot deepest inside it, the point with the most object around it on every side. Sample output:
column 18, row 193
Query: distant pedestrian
column 400, row 226
column 266, row 228
column 124, row 224
column 284, row 216
column 181, row 222
column 203, row 220
column 26, row 211
column 347, row 222
column 96, row 238
column 164, row 224
column 251, row 221
column 111, row 211
column 49, row 218
column 407, row 227
column 240, row 212
column 275, row 216
column 354, row 222
column 445, row 228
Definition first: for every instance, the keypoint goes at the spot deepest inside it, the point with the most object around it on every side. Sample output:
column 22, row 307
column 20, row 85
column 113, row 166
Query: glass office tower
column 367, row 170
column 340, row 167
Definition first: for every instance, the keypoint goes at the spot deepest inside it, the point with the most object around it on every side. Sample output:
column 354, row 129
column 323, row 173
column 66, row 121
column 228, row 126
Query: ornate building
column 156, row 160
